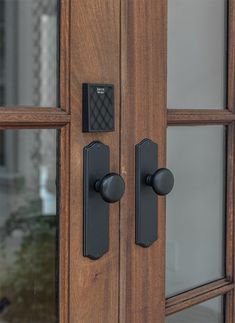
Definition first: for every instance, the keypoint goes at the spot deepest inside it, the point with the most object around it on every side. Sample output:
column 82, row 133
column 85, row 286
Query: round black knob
column 162, row 181
column 111, row 187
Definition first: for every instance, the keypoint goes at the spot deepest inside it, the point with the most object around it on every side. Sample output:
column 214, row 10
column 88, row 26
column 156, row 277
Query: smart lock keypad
column 98, row 107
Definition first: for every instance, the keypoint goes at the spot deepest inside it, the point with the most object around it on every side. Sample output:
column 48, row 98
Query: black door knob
column 162, row 181
column 111, row 187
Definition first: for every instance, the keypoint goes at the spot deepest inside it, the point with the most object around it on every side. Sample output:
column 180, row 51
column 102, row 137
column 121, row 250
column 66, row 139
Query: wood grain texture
column 95, row 58
column 33, row 117
column 199, row 117
column 64, row 214
column 143, row 115
column 172, row 301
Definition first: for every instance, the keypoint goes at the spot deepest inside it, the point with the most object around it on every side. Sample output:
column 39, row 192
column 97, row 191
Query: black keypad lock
column 98, row 107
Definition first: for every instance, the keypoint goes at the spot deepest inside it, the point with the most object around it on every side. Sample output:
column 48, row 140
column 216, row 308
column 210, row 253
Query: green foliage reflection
column 30, row 267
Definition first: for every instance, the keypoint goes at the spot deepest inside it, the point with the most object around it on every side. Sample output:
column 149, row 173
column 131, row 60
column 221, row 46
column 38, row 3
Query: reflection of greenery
column 30, row 284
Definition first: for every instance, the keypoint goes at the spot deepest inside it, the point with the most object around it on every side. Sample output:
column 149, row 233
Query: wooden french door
column 117, row 42
column 48, row 50
column 125, row 43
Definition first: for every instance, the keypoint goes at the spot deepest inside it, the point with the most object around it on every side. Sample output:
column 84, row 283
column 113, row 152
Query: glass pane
column 197, row 54
column 195, row 207
column 209, row 312
column 28, row 52
column 28, row 227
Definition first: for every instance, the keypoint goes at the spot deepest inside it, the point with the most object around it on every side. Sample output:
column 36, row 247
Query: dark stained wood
column 64, row 55
column 197, row 296
column 143, row 47
column 199, row 117
column 33, row 117
column 95, row 57
column 64, row 214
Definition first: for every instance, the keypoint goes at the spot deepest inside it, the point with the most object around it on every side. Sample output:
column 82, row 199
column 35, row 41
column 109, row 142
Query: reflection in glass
column 196, row 207
column 209, row 312
column 197, row 54
column 28, row 227
column 28, row 52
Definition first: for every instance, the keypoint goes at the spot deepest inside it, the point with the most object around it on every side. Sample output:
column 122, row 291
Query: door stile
column 64, row 223
column 229, row 305
column 143, row 115
column 95, row 46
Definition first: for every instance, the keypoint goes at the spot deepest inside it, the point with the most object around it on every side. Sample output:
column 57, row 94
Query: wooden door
column 124, row 43
column 113, row 42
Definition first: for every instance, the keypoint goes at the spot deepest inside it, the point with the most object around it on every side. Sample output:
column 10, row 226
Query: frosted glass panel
column 209, row 312
column 29, row 52
column 197, row 54
column 196, row 207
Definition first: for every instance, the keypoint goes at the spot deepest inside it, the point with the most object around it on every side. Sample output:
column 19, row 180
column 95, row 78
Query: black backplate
column 146, row 199
column 96, row 210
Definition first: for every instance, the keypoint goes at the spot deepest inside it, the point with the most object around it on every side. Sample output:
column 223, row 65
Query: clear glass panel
column 197, row 54
column 28, row 52
column 211, row 311
column 28, row 227
column 195, row 207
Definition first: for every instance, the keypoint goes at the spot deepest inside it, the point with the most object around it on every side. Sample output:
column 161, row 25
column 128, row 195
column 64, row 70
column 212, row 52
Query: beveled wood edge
column 64, row 223
column 199, row 117
column 32, row 117
column 198, row 295
column 196, row 291
column 64, row 55
column 230, row 203
column 229, row 226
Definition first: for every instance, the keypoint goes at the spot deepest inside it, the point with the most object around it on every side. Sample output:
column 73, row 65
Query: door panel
column 95, row 58
column 128, row 283
column 143, row 116
column 124, row 43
